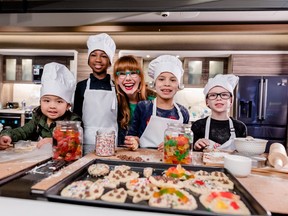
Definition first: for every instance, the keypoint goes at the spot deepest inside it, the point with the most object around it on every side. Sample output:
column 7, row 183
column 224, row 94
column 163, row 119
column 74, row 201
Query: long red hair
column 129, row 63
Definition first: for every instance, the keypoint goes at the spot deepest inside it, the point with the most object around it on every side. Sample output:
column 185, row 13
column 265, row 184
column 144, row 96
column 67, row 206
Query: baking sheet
column 53, row 194
column 15, row 162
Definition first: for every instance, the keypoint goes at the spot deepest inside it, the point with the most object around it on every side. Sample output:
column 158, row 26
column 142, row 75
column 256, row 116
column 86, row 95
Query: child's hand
column 5, row 142
column 44, row 141
column 201, row 143
column 131, row 142
column 161, row 147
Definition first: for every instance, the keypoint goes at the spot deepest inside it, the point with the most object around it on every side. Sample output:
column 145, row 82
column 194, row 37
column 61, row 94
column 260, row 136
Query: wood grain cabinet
column 259, row 64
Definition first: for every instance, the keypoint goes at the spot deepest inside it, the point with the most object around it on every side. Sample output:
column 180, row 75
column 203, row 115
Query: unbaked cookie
column 99, row 169
column 147, row 172
column 77, row 189
column 173, row 198
column 116, row 195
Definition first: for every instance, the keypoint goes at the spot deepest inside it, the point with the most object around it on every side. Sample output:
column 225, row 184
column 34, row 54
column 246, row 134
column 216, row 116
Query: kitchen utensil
column 250, row 146
column 277, row 155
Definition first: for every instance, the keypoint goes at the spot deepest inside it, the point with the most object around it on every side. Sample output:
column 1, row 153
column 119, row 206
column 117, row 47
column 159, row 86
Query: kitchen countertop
column 43, row 208
column 266, row 186
column 12, row 111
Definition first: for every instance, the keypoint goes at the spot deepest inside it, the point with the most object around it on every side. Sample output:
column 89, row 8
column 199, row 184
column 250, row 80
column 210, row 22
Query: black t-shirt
column 219, row 129
column 100, row 84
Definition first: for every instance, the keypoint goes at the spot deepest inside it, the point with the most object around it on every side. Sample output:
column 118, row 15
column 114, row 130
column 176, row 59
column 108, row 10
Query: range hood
column 62, row 6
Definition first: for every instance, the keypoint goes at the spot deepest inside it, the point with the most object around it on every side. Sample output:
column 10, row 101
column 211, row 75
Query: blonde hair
column 129, row 63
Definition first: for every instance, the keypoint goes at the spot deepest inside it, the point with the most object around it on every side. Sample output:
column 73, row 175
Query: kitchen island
column 267, row 186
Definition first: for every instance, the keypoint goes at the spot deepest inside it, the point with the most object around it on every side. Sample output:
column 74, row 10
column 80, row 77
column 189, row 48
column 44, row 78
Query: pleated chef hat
column 57, row 80
column 227, row 81
column 102, row 42
column 165, row 63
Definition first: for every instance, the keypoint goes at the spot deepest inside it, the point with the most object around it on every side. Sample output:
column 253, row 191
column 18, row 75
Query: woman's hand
column 44, row 141
column 5, row 142
column 131, row 142
column 201, row 143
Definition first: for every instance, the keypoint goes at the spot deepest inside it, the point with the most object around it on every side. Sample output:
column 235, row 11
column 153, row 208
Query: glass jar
column 67, row 140
column 178, row 139
column 105, row 143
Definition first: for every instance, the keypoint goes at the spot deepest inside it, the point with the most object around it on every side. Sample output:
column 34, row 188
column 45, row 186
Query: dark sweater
column 219, row 130
column 37, row 126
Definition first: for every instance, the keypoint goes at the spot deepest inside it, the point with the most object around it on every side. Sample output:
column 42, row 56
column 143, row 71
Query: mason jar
column 67, row 140
column 105, row 143
column 178, row 139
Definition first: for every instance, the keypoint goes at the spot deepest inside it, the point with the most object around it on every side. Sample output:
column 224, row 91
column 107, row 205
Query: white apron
column 99, row 111
column 229, row 144
column 153, row 134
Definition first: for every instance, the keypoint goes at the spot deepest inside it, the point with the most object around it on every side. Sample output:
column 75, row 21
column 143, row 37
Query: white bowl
column 239, row 166
column 250, row 146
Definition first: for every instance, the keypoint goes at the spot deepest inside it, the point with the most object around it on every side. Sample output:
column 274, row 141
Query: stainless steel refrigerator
column 261, row 103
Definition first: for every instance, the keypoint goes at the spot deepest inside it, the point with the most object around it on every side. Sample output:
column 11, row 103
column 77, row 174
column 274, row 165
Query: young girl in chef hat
column 151, row 117
column 218, row 130
column 57, row 88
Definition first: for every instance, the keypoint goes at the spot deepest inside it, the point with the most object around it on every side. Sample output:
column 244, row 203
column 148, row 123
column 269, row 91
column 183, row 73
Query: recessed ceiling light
column 147, row 56
column 177, row 56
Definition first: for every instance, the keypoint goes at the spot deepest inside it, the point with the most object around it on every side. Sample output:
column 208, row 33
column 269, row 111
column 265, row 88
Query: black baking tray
column 53, row 194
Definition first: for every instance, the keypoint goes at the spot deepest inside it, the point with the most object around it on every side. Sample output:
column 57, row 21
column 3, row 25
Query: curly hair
column 129, row 63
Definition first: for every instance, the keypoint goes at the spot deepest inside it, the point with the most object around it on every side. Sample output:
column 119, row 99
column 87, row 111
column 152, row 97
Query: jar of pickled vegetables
column 178, row 139
column 67, row 140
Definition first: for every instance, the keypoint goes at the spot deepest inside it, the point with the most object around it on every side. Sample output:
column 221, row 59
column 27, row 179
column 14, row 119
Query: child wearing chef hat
column 57, row 88
column 218, row 130
column 95, row 98
column 151, row 117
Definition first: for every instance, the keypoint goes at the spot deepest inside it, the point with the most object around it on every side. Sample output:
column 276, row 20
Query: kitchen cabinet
column 20, row 68
column 16, row 65
column 259, row 64
column 197, row 70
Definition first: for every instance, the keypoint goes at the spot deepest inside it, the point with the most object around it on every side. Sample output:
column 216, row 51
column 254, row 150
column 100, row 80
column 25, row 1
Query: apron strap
column 115, row 104
column 232, row 129
column 88, row 84
column 207, row 127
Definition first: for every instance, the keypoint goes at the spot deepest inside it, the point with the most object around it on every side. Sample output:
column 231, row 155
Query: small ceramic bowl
column 239, row 166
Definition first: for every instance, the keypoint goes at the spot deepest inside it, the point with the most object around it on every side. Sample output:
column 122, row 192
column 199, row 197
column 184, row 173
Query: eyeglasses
column 123, row 74
column 223, row 95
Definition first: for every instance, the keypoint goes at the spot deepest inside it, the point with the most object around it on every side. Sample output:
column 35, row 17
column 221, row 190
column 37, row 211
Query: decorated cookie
column 99, row 169
column 173, row 198
column 117, row 195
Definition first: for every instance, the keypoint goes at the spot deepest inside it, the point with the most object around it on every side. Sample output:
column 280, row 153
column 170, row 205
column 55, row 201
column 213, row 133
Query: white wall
column 28, row 92
column 193, row 99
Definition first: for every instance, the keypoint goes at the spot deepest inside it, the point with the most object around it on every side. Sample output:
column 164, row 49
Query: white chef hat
column 227, row 81
column 102, row 42
column 58, row 80
column 165, row 63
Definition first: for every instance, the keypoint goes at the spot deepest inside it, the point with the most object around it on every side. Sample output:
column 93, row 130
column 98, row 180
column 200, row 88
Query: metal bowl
column 250, row 146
